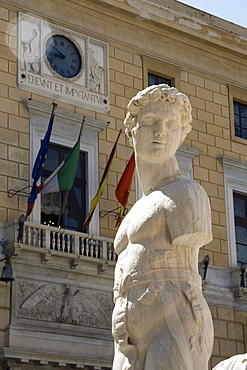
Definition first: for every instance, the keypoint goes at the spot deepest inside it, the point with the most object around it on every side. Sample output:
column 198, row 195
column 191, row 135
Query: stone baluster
column 62, row 236
column 114, row 255
column 53, row 240
column 38, row 238
column 24, row 237
column 59, row 244
column 29, row 235
column 111, row 252
column 100, row 249
column 75, row 244
column 47, row 241
column 87, row 246
column 104, row 250
column 94, row 248
column 35, row 237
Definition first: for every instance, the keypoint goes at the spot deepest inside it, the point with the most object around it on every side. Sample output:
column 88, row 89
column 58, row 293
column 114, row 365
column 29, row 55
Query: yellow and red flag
column 102, row 184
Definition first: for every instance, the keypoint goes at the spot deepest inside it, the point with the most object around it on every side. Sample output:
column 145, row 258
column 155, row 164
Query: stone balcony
column 51, row 239
column 61, row 298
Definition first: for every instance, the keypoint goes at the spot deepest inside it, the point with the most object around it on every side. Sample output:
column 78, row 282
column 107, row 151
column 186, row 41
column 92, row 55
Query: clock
column 63, row 57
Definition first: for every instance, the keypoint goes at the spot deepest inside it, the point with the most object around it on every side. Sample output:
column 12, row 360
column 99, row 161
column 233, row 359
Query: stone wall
column 230, row 333
column 4, row 310
column 205, row 58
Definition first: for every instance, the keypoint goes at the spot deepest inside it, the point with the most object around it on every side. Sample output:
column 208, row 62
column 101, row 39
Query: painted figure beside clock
column 61, row 63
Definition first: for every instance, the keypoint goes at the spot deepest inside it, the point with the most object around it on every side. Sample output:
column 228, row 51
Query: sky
column 231, row 10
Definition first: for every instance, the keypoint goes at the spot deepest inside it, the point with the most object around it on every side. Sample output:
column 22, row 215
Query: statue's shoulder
column 190, row 214
column 186, row 191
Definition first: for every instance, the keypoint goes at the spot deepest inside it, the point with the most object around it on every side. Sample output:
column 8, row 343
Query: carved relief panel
column 64, row 304
column 61, row 63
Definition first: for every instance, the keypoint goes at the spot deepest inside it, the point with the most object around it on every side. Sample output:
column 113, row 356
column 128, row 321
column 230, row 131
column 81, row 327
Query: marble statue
column 161, row 319
column 238, row 362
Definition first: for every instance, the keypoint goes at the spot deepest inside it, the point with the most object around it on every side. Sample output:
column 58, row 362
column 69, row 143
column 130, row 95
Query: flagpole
column 54, row 107
column 65, row 201
column 82, row 124
column 40, row 162
column 102, row 184
column 66, row 197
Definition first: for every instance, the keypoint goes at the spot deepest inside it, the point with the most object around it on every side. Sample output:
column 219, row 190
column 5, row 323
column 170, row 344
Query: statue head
column 177, row 101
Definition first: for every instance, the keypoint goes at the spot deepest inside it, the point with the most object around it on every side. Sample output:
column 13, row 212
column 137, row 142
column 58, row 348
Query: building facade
column 91, row 58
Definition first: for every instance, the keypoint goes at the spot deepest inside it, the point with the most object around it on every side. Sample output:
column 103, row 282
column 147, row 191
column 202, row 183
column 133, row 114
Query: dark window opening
column 240, row 119
column 72, row 202
column 240, row 215
column 157, row 80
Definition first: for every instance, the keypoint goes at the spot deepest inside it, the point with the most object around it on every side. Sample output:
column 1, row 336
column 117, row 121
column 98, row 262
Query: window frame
column 157, row 76
column 65, row 133
column 237, row 95
column 161, row 69
column 235, row 181
column 240, row 105
column 241, row 221
column 79, row 182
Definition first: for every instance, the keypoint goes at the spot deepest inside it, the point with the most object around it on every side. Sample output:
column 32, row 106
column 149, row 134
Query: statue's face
column 158, row 132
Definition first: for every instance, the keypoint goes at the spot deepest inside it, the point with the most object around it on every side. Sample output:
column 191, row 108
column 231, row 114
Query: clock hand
column 59, row 52
column 57, row 55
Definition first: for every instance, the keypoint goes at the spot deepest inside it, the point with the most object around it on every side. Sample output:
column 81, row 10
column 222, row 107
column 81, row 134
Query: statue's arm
column 189, row 221
column 121, row 240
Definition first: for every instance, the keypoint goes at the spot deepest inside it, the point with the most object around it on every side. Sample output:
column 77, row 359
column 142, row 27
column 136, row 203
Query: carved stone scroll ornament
column 161, row 319
column 79, row 307
column 30, row 60
column 96, row 74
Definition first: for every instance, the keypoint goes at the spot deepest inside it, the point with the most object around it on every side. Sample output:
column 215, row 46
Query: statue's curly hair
column 153, row 94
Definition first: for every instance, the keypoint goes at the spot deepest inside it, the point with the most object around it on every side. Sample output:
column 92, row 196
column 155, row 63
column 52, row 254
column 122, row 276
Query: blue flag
column 40, row 162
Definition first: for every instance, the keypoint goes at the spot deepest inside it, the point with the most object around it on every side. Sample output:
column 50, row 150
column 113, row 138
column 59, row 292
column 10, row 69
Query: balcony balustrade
column 58, row 239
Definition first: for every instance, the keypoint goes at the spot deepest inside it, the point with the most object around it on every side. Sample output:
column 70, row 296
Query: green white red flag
column 64, row 176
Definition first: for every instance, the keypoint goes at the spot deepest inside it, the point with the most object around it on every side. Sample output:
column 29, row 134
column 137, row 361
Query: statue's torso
column 145, row 232
column 157, row 288
column 144, row 239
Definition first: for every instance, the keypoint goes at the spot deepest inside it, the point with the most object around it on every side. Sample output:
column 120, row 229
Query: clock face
column 63, row 56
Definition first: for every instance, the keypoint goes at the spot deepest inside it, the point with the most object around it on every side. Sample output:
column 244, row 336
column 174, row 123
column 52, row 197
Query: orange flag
column 123, row 187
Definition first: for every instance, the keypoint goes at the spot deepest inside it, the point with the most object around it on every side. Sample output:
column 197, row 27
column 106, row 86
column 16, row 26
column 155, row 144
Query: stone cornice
column 203, row 16
column 67, row 117
column 231, row 163
column 43, row 358
column 189, row 151
column 182, row 18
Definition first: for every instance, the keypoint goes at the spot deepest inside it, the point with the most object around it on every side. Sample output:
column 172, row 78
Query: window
column 240, row 119
column 64, row 134
column 235, row 181
column 156, row 72
column 67, row 208
column 157, row 80
column 238, row 113
column 240, row 216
